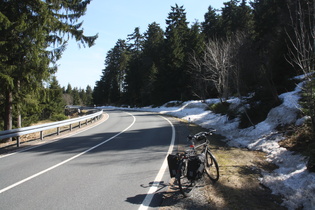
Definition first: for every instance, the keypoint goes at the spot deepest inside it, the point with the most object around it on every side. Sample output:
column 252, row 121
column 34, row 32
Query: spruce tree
column 211, row 27
column 135, row 73
column 76, row 97
column 271, row 19
column 236, row 17
column 111, row 86
column 153, row 63
column 99, row 94
column 69, row 89
column 29, row 29
column 199, row 86
column 175, row 75
column 89, row 96
column 55, row 104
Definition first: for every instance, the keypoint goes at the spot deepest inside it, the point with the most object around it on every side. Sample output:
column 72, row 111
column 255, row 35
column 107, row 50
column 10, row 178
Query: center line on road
column 72, row 158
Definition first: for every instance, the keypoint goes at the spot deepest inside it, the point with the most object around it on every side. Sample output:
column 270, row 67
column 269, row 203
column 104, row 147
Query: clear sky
column 113, row 20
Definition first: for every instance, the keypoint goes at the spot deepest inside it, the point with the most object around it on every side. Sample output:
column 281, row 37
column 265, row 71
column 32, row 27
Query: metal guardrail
column 40, row 128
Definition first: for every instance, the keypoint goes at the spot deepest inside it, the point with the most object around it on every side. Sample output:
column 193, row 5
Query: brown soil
column 238, row 186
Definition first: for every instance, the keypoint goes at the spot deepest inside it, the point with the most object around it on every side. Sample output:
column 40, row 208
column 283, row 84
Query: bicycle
column 189, row 166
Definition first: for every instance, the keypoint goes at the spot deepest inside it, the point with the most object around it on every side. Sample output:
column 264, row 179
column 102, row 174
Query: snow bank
column 291, row 179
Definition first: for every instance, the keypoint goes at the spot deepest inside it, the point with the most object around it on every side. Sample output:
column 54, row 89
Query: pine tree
column 175, row 74
column 23, row 53
column 99, row 94
column 196, row 45
column 82, row 97
column 111, row 86
column 246, row 19
column 271, row 19
column 69, row 89
column 27, row 31
column 211, row 27
column 153, row 62
column 55, row 104
column 135, row 73
column 76, row 97
column 196, row 39
column 236, row 18
column 89, row 96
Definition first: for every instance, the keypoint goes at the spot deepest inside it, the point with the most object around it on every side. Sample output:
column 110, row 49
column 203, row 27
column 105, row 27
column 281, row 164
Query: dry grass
column 238, row 186
column 301, row 140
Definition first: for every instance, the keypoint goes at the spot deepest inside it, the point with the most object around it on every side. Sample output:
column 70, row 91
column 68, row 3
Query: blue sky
column 113, row 20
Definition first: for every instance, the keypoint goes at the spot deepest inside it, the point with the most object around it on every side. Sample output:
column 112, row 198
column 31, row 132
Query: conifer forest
column 242, row 48
column 246, row 48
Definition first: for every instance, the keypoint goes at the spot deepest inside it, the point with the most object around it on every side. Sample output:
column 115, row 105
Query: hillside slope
column 291, row 179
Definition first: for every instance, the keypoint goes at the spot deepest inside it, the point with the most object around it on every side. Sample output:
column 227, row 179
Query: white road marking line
column 72, row 158
column 148, row 198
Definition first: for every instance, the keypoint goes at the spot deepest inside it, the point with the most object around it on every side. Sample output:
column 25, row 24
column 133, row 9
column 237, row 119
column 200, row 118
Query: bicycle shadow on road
column 157, row 198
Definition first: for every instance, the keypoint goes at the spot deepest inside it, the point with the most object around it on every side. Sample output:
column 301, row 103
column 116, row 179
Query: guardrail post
column 17, row 133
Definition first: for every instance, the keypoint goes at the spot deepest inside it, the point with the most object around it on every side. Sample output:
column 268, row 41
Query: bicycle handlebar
column 201, row 135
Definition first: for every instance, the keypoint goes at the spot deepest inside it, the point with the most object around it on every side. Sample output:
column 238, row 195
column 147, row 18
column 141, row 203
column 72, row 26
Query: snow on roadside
column 291, row 179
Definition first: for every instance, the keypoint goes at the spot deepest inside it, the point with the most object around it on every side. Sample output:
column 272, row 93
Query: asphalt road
column 111, row 166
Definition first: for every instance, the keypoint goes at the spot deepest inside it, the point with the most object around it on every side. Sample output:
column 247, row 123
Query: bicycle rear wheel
column 211, row 167
column 186, row 186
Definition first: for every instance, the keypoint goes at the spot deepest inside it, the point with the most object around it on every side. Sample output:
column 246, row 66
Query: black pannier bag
column 173, row 163
column 196, row 166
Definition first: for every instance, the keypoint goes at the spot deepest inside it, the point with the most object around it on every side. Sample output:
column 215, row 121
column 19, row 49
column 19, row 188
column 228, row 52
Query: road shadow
column 157, row 197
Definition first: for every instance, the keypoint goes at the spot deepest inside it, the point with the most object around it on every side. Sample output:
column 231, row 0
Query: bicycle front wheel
column 211, row 167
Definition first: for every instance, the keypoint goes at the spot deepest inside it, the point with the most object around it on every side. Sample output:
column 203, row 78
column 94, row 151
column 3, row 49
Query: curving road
column 115, row 165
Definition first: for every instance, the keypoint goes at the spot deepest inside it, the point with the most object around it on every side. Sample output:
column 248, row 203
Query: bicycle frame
column 213, row 174
column 185, row 183
column 205, row 145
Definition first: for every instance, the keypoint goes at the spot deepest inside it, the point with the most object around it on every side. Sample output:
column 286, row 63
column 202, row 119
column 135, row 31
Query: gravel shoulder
column 238, row 186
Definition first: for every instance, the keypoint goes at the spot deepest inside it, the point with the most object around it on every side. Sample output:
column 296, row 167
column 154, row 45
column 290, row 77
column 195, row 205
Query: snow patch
column 291, row 179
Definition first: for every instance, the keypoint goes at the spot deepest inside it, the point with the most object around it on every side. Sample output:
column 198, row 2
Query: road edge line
column 155, row 186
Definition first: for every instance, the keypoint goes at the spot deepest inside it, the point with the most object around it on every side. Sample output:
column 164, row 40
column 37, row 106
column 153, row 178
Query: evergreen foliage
column 33, row 35
column 153, row 57
column 161, row 66
column 112, row 84
column 53, row 103
column 157, row 66
column 177, row 34
column 77, row 96
column 211, row 27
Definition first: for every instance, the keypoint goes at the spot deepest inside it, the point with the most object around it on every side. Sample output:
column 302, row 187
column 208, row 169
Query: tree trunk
column 18, row 109
column 8, row 113
column 19, row 119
